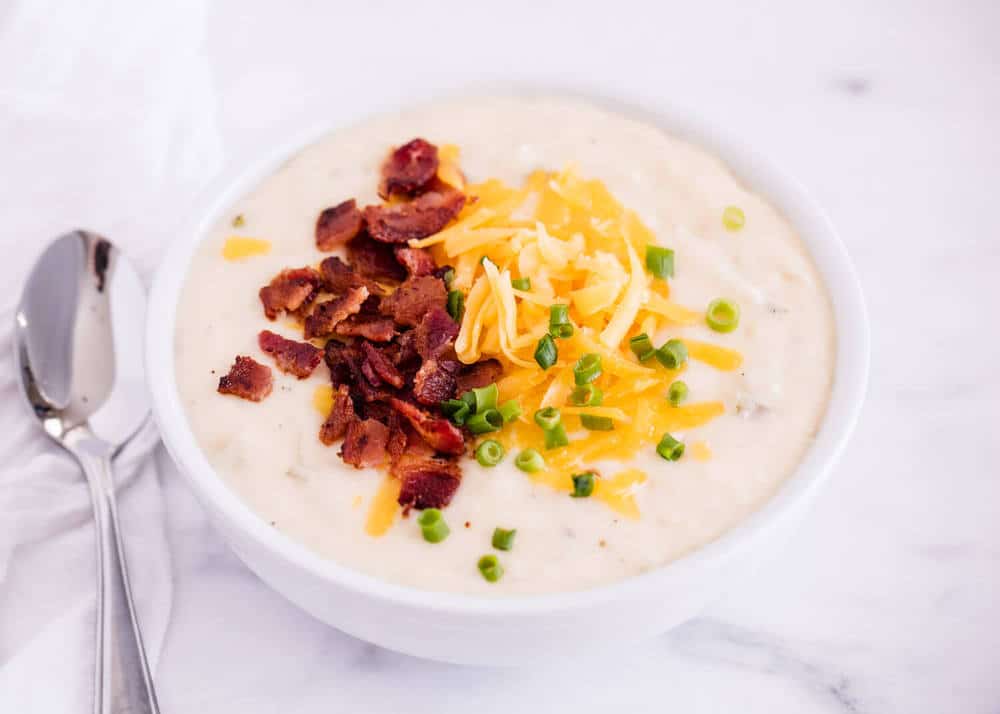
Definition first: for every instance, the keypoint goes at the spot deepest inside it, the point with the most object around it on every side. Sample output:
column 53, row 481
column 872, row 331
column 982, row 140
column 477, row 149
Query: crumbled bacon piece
column 479, row 374
column 419, row 218
column 338, row 277
column 408, row 168
column 290, row 290
column 340, row 416
column 428, row 483
column 327, row 314
column 338, row 224
column 436, row 431
column 417, row 261
column 435, row 381
column 381, row 365
column 365, row 442
column 374, row 260
column 247, row 379
column 435, row 333
column 414, row 298
column 298, row 358
column 376, row 329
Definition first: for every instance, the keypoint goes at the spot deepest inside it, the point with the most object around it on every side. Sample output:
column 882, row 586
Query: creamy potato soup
column 565, row 204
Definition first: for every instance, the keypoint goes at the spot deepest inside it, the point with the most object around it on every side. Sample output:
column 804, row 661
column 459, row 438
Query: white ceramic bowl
column 489, row 630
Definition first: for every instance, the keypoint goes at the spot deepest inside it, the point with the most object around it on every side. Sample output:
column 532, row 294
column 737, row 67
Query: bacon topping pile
column 247, row 379
column 390, row 342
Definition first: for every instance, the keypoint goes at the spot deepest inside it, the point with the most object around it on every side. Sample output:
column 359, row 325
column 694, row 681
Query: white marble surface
column 887, row 600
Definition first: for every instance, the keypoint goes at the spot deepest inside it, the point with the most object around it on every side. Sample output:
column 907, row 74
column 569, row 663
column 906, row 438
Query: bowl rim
column 848, row 388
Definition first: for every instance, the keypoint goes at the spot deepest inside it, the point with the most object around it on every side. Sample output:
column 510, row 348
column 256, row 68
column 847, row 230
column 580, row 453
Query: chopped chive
column 597, row 423
column 509, row 410
column 448, row 277
column 503, row 539
column 490, row 567
column 669, row 448
column 672, row 354
column 456, row 410
column 677, row 393
column 583, row 484
column 548, row 418
column 723, row 315
column 587, row 368
column 733, row 218
column 433, row 526
column 521, row 283
column 559, row 324
column 486, row 397
column 546, row 353
column 456, row 305
column 529, row 461
column 642, row 347
column 587, row 395
column 660, row 261
column 470, row 399
column 554, row 438
column 484, row 422
column 489, row 453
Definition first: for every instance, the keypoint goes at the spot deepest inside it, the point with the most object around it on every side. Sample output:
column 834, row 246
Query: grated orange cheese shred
column 579, row 246
column 238, row 248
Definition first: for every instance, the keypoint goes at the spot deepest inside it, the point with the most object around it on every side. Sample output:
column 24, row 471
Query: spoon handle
column 122, row 683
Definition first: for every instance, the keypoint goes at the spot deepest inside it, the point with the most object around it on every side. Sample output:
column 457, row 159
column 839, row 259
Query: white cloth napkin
column 77, row 73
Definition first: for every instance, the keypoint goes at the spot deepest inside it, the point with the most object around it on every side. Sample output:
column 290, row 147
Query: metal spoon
column 78, row 349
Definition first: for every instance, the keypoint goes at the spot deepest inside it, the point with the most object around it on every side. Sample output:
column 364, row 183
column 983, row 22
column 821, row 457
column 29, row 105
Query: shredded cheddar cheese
column 237, row 248
column 582, row 248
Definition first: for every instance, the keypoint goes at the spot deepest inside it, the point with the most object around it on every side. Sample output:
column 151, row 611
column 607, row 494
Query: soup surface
column 269, row 453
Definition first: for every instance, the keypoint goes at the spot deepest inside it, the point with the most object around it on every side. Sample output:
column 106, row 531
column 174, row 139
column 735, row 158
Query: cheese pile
column 580, row 247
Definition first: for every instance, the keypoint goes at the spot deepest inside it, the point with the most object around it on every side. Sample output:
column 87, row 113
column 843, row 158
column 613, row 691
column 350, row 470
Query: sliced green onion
column 660, row 261
column 433, row 526
column 529, row 461
column 677, row 393
column 486, row 397
column 672, row 354
column 548, row 418
column 509, row 410
column 546, row 353
column 583, row 484
column 554, row 438
column 503, row 539
column 642, row 347
column 521, row 283
column 456, row 409
column 490, row 567
column 733, row 218
column 723, row 315
column 587, row 368
column 559, row 324
column 448, row 277
column 597, row 423
column 489, row 453
column 587, row 395
column 484, row 422
column 456, row 305
column 669, row 448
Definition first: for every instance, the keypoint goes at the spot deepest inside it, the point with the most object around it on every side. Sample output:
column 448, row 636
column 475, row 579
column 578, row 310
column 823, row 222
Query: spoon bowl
column 78, row 350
